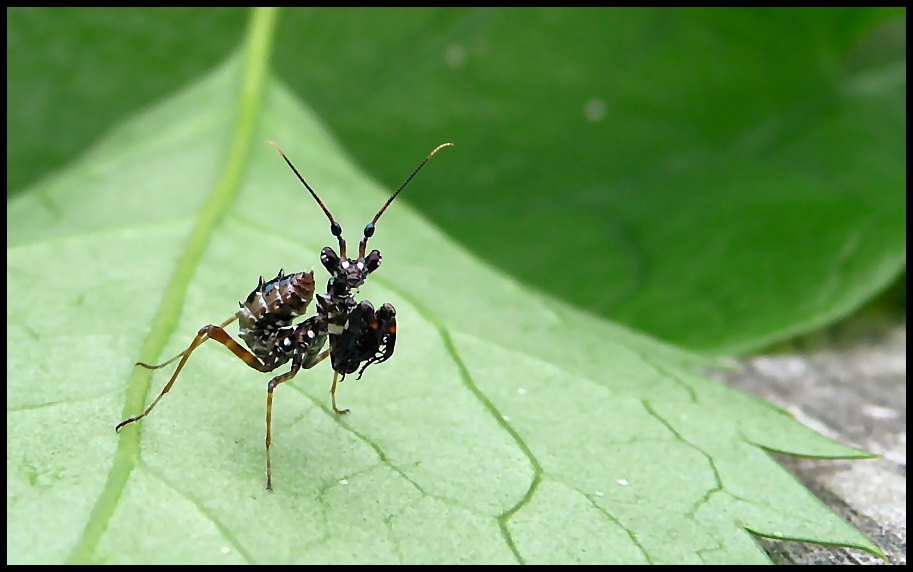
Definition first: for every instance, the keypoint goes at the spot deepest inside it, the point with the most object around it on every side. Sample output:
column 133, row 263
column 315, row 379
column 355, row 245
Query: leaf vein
column 224, row 530
column 253, row 79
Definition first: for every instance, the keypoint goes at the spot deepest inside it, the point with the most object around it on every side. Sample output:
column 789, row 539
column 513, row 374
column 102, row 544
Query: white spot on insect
column 594, row 109
column 286, row 342
column 622, row 482
column 311, row 334
column 360, row 266
column 345, row 264
column 521, row 391
column 343, row 481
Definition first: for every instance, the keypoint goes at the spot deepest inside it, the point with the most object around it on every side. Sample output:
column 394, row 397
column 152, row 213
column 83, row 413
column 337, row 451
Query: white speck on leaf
column 594, row 109
column 455, row 55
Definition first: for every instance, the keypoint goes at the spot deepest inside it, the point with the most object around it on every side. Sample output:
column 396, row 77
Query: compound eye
column 372, row 260
column 329, row 259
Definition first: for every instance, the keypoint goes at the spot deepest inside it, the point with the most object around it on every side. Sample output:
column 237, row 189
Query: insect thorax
column 335, row 309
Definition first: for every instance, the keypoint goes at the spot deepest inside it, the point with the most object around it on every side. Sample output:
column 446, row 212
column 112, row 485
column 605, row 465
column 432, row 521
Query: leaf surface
column 508, row 427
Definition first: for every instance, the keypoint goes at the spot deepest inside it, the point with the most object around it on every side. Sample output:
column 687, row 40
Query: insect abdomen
column 274, row 305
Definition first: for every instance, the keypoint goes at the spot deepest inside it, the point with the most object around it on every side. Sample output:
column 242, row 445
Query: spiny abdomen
column 273, row 305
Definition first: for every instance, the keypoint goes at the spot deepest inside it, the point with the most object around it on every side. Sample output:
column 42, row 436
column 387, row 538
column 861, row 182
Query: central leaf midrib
column 255, row 67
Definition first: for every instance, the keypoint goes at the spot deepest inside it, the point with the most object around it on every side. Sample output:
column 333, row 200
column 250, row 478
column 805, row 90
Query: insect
column 359, row 335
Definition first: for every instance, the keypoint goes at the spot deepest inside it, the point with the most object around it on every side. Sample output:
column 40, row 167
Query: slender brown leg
column 190, row 348
column 269, row 418
column 269, row 410
column 212, row 332
column 333, row 395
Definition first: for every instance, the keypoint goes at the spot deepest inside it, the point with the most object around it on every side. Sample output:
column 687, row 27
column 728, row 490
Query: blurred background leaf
column 722, row 179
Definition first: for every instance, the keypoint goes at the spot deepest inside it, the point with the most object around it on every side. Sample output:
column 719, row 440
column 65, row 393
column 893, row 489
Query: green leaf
column 721, row 179
column 508, row 427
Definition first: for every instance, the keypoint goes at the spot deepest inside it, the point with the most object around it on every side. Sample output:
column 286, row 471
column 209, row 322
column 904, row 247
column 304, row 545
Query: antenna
column 335, row 227
column 369, row 228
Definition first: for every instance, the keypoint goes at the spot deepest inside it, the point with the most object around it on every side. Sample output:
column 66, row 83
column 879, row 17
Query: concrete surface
column 854, row 392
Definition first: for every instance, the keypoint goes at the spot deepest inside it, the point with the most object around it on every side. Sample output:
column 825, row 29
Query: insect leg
column 384, row 341
column 368, row 337
column 209, row 332
column 311, row 356
column 196, row 342
column 269, row 418
column 333, row 395
column 324, row 355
